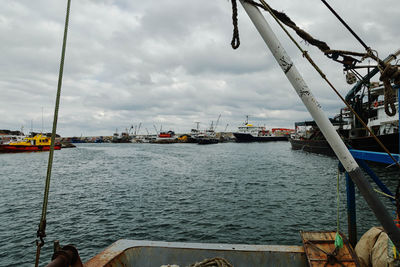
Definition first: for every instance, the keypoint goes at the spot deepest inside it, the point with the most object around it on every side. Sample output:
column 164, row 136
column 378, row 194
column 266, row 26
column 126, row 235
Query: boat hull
column 207, row 141
column 22, row 148
column 245, row 138
column 368, row 143
column 313, row 146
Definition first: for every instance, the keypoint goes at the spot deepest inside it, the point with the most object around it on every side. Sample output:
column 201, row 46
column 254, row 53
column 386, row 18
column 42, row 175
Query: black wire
column 345, row 24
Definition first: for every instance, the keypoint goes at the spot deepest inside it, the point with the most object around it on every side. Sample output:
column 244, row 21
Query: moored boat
column 207, row 139
column 165, row 138
column 250, row 133
column 372, row 111
column 34, row 143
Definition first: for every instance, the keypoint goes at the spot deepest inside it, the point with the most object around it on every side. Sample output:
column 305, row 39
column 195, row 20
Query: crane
column 216, row 124
column 155, row 128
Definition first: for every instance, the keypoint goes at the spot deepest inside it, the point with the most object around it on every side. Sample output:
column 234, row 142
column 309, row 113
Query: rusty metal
column 67, row 256
column 156, row 253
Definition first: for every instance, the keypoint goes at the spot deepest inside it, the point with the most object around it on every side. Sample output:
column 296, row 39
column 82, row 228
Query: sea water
column 243, row 193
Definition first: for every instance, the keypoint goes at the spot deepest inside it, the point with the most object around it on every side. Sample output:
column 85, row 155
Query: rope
column 41, row 232
column 390, row 72
column 214, row 262
column 338, row 238
column 235, row 43
column 384, row 194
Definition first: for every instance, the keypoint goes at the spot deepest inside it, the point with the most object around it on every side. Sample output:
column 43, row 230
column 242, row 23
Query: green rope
column 41, row 232
column 338, row 238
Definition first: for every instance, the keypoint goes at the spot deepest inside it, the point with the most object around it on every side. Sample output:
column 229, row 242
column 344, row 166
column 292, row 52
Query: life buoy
column 375, row 103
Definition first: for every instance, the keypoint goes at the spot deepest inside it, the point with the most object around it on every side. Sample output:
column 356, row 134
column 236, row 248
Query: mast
column 323, row 122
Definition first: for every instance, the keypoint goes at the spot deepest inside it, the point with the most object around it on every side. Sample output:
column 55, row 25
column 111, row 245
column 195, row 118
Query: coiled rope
column 214, row 262
column 41, row 232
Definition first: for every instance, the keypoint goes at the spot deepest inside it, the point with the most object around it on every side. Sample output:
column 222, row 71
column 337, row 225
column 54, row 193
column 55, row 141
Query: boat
column 166, row 137
column 250, row 133
column 34, row 143
column 308, row 137
column 371, row 108
column 207, row 138
column 11, row 136
column 121, row 138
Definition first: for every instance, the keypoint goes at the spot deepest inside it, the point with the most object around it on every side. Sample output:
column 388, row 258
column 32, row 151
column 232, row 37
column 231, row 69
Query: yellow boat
column 39, row 142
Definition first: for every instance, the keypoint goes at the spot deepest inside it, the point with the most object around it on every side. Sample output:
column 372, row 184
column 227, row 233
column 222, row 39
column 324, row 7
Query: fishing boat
column 250, row 133
column 37, row 142
column 121, row 138
column 372, row 108
column 207, row 138
column 308, row 136
column 165, row 137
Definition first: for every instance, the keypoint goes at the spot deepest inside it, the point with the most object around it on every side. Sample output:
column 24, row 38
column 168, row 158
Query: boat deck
column 155, row 253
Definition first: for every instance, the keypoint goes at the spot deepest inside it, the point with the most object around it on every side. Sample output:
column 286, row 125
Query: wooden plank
column 320, row 248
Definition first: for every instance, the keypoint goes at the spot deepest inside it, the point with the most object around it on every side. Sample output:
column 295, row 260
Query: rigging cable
column 347, row 60
column 307, row 56
column 387, row 71
column 346, row 25
column 41, row 232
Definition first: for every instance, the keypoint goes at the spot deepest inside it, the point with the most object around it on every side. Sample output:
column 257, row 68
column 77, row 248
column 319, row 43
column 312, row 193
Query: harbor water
column 247, row 193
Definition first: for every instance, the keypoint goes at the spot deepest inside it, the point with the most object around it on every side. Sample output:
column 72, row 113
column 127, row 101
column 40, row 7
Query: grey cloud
column 169, row 62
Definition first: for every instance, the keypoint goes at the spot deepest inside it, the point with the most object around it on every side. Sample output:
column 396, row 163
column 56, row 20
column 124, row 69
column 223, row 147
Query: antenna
column 42, row 120
column 197, row 124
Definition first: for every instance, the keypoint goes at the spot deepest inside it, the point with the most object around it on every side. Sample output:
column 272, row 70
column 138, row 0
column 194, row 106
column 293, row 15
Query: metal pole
column 323, row 122
column 351, row 211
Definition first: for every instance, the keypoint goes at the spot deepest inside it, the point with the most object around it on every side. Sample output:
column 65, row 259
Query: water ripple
column 225, row 193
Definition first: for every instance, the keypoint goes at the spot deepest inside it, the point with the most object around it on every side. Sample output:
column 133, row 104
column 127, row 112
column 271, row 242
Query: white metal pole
column 322, row 121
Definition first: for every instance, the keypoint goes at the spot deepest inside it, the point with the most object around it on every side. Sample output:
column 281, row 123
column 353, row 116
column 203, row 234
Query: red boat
column 29, row 144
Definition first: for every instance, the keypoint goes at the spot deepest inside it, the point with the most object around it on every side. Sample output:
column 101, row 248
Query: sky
column 169, row 63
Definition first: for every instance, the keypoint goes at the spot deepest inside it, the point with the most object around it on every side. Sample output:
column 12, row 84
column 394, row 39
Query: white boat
column 250, row 133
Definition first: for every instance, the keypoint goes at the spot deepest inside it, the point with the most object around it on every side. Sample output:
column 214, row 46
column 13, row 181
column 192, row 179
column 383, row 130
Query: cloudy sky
column 169, row 63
